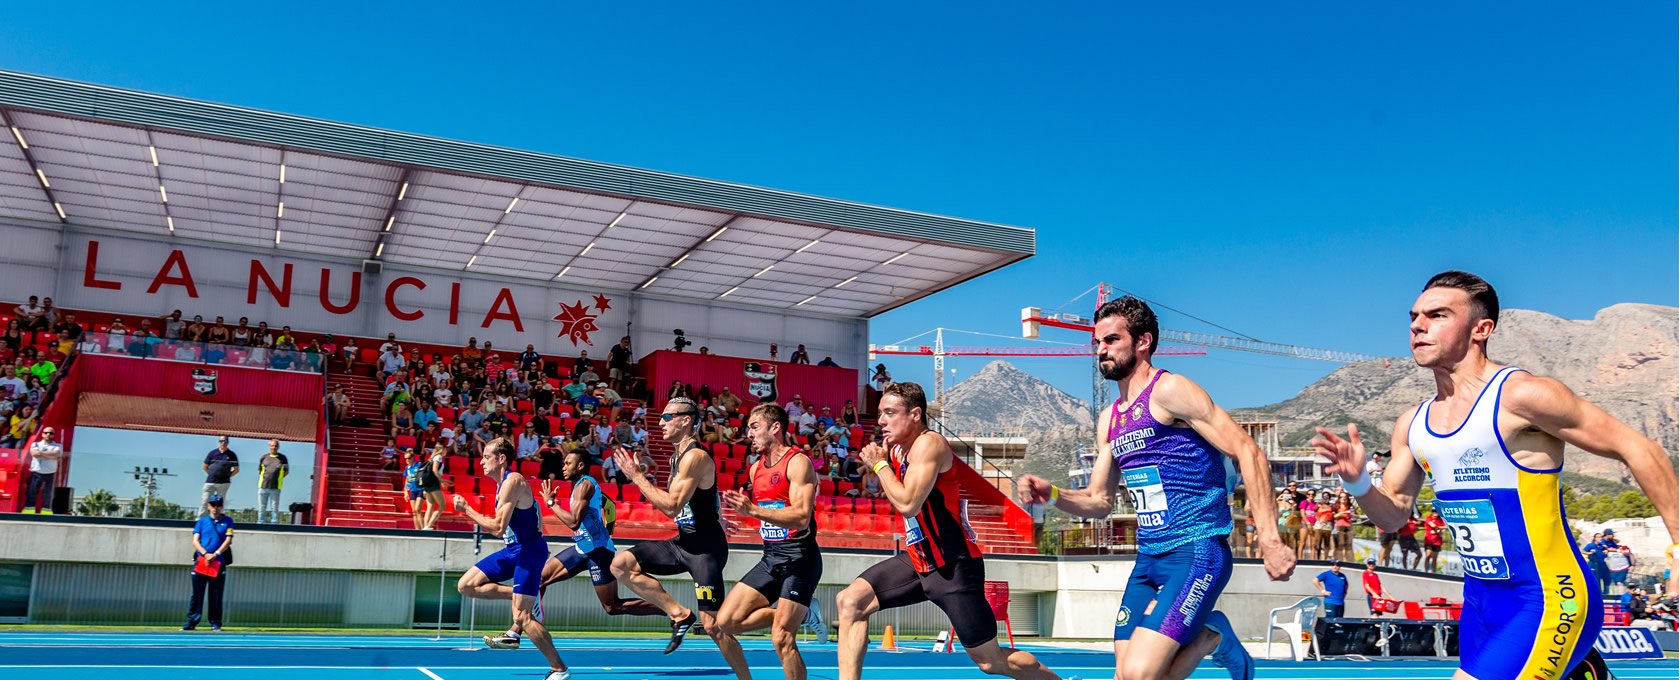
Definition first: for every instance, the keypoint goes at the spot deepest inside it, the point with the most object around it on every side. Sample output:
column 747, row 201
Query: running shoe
column 678, row 630
column 504, row 641
column 1230, row 653
column 559, row 675
column 216, row 627
column 536, row 609
column 814, row 621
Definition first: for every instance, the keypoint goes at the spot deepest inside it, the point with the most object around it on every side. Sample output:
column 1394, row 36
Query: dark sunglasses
column 666, row 417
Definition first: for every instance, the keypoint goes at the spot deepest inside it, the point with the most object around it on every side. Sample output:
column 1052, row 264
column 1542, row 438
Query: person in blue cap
column 1332, row 585
column 213, row 542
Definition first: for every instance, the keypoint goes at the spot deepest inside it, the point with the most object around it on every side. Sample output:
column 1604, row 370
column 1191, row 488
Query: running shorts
column 786, row 575
column 1532, row 631
column 958, row 588
column 599, row 561
column 1182, row 584
column 668, row 557
column 522, row 564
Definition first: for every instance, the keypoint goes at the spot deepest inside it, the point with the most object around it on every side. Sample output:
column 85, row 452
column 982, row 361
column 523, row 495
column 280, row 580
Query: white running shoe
column 559, row 675
column 504, row 641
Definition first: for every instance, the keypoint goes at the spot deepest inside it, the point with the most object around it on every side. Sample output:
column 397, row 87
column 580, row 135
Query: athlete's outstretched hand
column 1347, row 456
column 548, row 492
column 738, row 501
column 1032, row 489
column 460, row 504
column 628, row 464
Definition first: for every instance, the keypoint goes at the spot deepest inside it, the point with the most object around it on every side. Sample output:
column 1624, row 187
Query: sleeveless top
column 700, row 523
column 1507, row 520
column 770, row 490
column 525, row 527
column 939, row 534
column 591, row 532
column 1176, row 480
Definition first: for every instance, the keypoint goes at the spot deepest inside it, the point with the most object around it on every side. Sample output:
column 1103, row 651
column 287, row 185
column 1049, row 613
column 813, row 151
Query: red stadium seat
column 595, row 471
column 406, row 440
column 631, row 493
column 610, row 489
column 843, row 504
column 738, row 451
column 446, row 415
column 826, row 487
column 731, row 465
column 528, row 468
column 882, row 507
column 825, row 521
column 825, row 504
column 841, row 523
column 840, row 488
column 562, row 489
column 368, row 355
column 880, row 524
column 564, row 411
column 554, row 383
column 524, row 406
column 569, row 424
column 725, row 480
column 554, row 424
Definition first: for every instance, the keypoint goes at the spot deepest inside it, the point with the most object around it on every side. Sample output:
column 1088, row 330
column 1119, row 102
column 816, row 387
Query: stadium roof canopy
column 96, row 156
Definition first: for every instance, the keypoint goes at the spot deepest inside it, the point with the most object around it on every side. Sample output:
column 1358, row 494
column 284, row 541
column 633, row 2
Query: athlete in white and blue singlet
column 521, row 560
column 1531, row 605
column 1167, row 442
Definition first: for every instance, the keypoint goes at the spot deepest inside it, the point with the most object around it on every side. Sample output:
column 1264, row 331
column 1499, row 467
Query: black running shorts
column 668, row 557
column 958, row 589
column 786, row 575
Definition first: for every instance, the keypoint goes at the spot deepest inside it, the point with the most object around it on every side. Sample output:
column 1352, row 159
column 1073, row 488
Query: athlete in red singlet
column 941, row 562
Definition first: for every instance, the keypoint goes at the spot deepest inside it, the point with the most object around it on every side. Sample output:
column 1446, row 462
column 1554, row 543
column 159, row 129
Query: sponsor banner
column 1627, row 643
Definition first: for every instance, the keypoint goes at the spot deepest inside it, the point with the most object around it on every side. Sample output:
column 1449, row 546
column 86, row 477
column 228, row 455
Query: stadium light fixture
column 282, row 173
column 43, row 177
column 801, row 302
column 404, row 192
column 19, row 135
column 171, row 221
column 164, row 193
column 276, row 237
column 489, row 236
column 807, row 246
column 842, row 283
column 616, row 219
column 471, row 261
column 60, row 208
column 390, row 222
column 587, row 248
column 716, row 234
column 727, row 292
column 563, row 271
column 280, row 210
column 761, row 271
column 649, row 282
column 895, row 258
column 380, row 250
column 679, row 260
column 511, row 203
column 153, row 151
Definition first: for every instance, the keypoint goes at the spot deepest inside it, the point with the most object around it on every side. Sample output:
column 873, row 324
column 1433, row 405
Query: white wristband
column 1358, row 487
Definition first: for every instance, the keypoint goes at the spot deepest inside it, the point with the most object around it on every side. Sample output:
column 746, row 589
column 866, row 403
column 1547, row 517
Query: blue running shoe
column 1230, row 653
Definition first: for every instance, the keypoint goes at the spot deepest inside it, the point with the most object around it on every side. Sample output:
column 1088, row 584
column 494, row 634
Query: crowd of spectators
column 173, row 336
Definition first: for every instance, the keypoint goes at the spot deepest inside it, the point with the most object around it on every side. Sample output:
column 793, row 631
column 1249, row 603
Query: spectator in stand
column 22, row 423
column 542, row 396
column 271, row 477
column 1324, row 525
column 241, row 334
column 550, row 459
column 730, row 403
column 618, row 363
column 282, row 359
column 591, row 439
column 795, row 408
column 34, row 391
column 396, row 392
column 1432, row 538
column 1289, row 521
column 218, row 333
column 432, row 437
column 1344, row 529
column 678, row 389
column 213, row 541
column 800, row 356
column 402, row 420
column 285, row 340
column 714, row 409
column 521, row 387
column 540, row 425
column 1373, row 586
column 424, row 415
column 44, row 455
column 501, row 396
column 32, row 318
column 871, row 485
column 638, row 434
column 220, row 467
column 391, row 345
column 69, row 332
column 587, row 404
column 489, row 349
column 261, row 337
column 849, row 415
column 1618, row 562
column 12, row 339
column 582, row 363
column 881, row 378
column 1410, row 555
column 443, row 392
column 337, row 405
column 1333, row 585
column 705, row 350
column 644, row 462
column 11, row 386
column 499, row 423
column 194, row 332
column 807, row 424
column 388, row 455
column 187, row 351
column 474, row 417
column 139, row 345
column 528, row 443
column 173, row 325
column 482, row 437
column 349, row 354
column 828, row 362
column 529, row 360
column 471, row 351
column 611, row 471
column 589, row 376
column 214, row 354
column 1594, row 551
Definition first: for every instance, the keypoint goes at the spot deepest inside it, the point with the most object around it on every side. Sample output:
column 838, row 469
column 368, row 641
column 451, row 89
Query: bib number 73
column 1475, row 528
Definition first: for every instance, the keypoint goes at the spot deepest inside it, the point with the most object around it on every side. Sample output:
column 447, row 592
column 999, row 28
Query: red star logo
column 602, row 303
column 576, row 323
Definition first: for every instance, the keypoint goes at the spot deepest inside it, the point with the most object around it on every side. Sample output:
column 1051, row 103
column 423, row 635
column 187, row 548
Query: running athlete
column 941, row 561
column 520, row 524
column 586, row 514
column 1496, row 433
column 1167, row 442
column 701, row 548
column 784, row 501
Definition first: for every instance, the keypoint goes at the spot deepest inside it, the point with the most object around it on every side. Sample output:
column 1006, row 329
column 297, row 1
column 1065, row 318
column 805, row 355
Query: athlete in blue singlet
column 520, row 524
column 1491, row 442
column 1167, row 442
column 587, row 514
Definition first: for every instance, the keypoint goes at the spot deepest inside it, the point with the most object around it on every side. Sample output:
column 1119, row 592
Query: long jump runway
column 170, row 656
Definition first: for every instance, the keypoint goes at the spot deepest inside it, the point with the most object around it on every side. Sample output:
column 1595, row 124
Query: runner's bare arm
column 1095, row 500
column 1389, row 505
column 801, row 505
column 505, row 499
column 921, row 471
column 684, row 481
column 573, row 516
column 1557, row 411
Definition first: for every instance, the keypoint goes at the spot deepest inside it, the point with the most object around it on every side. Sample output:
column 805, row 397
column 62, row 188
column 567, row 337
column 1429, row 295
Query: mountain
column 1624, row 359
column 1001, row 396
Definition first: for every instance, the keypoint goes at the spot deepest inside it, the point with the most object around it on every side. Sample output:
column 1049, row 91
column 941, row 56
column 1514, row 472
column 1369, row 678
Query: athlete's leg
column 745, row 610
column 614, row 605
column 852, row 608
column 434, row 507
column 476, row 584
column 534, row 630
column 628, row 570
column 784, row 634
column 727, row 645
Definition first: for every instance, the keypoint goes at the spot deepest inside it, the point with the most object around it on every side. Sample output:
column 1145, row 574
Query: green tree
column 160, row 509
column 97, row 503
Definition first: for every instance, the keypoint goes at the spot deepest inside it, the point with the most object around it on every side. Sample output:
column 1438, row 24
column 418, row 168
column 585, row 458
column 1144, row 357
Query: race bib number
column 768, row 531
column 912, row 531
column 1148, row 496
column 1475, row 529
column 686, row 517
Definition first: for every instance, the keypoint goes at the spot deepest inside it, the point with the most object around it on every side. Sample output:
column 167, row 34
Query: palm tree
column 97, row 503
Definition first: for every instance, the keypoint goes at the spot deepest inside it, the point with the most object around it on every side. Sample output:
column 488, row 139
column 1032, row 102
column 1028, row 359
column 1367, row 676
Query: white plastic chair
column 1305, row 611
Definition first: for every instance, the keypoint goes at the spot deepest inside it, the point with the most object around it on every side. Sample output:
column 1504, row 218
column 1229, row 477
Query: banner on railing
column 1627, row 643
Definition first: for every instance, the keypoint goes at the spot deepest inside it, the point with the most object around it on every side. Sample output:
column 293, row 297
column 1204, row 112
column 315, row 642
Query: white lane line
column 434, row 676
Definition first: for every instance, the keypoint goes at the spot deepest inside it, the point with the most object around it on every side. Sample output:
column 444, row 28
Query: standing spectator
column 213, row 541
column 1410, row 555
column 618, row 363
column 1594, row 550
column 431, row 485
column 881, row 378
column 828, row 362
column 582, row 363
column 32, row 317
column 1618, row 562
column 44, row 455
column 271, row 477
column 1249, row 534
column 412, row 465
column 1332, row 585
column 173, row 325
column 799, row 356
column 1373, row 586
column 1344, row 529
column 220, row 466
column 1432, row 538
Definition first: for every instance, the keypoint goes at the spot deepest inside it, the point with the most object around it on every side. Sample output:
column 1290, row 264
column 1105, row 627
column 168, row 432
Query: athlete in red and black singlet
column 939, row 533
column 792, row 564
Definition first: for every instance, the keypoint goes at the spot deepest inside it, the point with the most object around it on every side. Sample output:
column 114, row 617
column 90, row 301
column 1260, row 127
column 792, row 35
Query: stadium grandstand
column 297, row 248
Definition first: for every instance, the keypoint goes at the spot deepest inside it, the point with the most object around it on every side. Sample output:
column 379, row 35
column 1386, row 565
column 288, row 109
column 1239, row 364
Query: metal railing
column 155, row 347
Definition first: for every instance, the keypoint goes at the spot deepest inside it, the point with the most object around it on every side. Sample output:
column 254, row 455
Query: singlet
column 770, row 490
column 701, row 520
column 1507, row 520
column 525, row 527
column 939, row 533
column 1176, row 480
column 591, row 532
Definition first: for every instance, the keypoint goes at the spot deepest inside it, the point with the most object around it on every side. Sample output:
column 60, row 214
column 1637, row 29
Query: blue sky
column 1294, row 173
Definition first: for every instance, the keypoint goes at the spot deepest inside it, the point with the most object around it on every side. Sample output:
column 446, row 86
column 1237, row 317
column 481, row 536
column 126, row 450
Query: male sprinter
column 1496, row 433
column 520, row 524
column 941, row 561
column 701, row 548
column 592, row 531
column 784, row 501
column 1165, row 440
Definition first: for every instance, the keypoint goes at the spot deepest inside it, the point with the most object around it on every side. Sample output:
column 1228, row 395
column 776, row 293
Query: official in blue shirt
column 1332, row 585
column 213, row 539
column 1594, row 550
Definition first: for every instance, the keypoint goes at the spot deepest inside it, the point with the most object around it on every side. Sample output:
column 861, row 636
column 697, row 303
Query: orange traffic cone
column 887, row 641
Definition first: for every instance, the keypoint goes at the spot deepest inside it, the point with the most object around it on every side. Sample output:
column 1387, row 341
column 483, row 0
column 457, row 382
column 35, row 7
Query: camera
column 681, row 341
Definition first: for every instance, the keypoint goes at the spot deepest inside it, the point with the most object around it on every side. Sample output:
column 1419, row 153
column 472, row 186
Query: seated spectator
column 433, row 437
column 541, row 396
column 589, row 377
column 807, row 423
column 12, row 339
column 173, row 325
column 640, row 414
column 328, row 347
column 261, row 337
column 622, row 434
column 825, row 421
column 795, row 408
column 473, row 418
column 610, row 470
column 529, row 360
column 21, row 425
column 471, row 351
column 282, row 359
column 715, row 431
column 388, row 457
column 194, row 332
column 572, row 390
column 644, row 461
column 402, row 419
column 871, row 485
column 32, row 318
column 389, row 363
column 521, row 387
column 338, row 405
column 391, row 345
column 186, row 351
column 489, row 349
column 704, row 350
column 839, row 435
column 241, row 334
column 480, row 437
column 424, row 415
column 499, row 423
column 351, row 354
column 285, row 340
column 838, row 449
column 829, row 362
column 540, row 424
column 638, row 434
column 528, row 443
column 214, row 354
column 730, row 403
column 588, row 404
column 11, row 386
column 582, row 363
column 849, row 415
column 396, row 391
column 592, row 441
column 218, row 332
column 799, row 356
column 678, row 389
column 138, row 345
column 69, row 332
column 551, row 458
column 442, row 393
